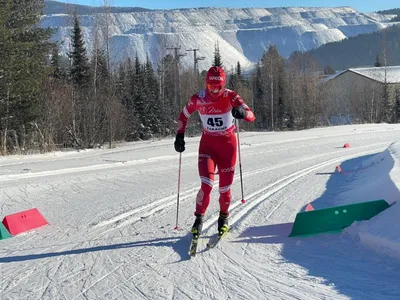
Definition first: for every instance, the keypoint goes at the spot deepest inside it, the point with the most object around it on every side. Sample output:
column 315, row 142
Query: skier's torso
column 216, row 114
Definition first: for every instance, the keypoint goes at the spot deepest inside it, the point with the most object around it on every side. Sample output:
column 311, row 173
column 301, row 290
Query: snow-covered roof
column 378, row 73
column 374, row 73
column 332, row 76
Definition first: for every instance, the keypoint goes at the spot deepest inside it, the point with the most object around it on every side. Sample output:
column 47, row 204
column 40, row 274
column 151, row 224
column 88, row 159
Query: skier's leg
column 225, row 181
column 226, row 162
column 206, row 167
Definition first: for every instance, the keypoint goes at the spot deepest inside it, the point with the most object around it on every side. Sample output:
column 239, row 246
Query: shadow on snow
column 353, row 270
column 179, row 244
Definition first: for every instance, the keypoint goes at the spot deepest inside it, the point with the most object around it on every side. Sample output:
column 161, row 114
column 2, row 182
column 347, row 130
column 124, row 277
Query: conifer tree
column 138, row 93
column 80, row 70
column 24, row 48
column 259, row 103
column 328, row 70
column 153, row 107
column 56, row 64
column 217, row 56
column 397, row 107
column 377, row 61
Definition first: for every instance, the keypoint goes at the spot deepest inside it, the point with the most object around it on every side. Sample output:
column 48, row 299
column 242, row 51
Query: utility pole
column 196, row 59
column 177, row 57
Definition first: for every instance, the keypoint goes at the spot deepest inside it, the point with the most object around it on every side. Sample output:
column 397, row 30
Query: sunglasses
column 214, row 88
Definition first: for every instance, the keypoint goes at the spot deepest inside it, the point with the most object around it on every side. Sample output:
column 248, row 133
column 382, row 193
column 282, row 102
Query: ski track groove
column 130, row 217
column 261, row 195
column 49, row 281
column 117, row 164
column 216, row 275
column 85, row 290
column 168, row 143
column 137, row 254
column 282, row 183
column 237, row 216
column 180, row 290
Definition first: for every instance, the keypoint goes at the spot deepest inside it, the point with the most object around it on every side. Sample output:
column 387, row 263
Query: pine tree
column 217, row 57
column 169, row 109
column 397, row 107
column 328, row 70
column 259, row 103
column 232, row 80
column 377, row 61
column 128, row 101
column 152, row 92
column 80, row 70
column 139, row 96
column 273, row 77
column 240, row 81
column 24, row 49
column 55, row 63
column 238, row 69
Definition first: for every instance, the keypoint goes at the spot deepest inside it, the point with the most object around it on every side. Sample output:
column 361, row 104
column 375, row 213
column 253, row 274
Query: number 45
column 215, row 122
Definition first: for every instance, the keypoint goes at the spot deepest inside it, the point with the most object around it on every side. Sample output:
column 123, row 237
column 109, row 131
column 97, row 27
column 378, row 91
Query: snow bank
column 380, row 175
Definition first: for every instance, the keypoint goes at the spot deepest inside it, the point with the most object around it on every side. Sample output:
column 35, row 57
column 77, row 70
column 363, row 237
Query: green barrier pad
column 334, row 219
column 4, row 234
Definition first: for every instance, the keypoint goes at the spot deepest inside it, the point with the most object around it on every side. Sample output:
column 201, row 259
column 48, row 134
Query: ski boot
column 197, row 226
column 223, row 226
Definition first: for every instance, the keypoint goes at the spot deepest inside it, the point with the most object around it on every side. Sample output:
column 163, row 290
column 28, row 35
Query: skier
column 217, row 107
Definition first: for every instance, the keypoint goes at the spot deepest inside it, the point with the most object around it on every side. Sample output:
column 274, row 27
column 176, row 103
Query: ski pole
column 179, row 187
column 240, row 160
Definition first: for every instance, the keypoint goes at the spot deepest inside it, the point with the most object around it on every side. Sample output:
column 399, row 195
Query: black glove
column 179, row 142
column 238, row 112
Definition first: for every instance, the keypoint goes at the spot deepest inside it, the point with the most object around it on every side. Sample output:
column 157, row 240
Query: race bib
column 217, row 123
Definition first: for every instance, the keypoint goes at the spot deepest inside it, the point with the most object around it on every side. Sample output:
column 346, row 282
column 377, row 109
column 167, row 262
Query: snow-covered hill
column 112, row 214
column 243, row 34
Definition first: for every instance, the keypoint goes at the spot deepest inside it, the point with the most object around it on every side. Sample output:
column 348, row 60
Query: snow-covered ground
column 112, row 214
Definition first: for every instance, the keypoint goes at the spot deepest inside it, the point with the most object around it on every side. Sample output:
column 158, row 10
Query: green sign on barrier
column 334, row 219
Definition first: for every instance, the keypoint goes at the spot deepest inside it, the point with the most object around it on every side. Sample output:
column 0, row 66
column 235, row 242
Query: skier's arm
column 189, row 108
column 240, row 109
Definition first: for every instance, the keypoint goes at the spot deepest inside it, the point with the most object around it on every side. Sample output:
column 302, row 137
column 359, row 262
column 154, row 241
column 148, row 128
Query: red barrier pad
column 24, row 221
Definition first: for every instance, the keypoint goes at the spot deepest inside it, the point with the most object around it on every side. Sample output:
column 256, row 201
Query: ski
column 215, row 240
column 193, row 246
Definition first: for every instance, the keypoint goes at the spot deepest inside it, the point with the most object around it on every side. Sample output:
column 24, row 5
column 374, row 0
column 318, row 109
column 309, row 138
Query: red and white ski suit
column 218, row 143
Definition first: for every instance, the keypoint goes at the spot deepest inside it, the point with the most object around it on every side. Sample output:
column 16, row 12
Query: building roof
column 378, row 73
column 374, row 73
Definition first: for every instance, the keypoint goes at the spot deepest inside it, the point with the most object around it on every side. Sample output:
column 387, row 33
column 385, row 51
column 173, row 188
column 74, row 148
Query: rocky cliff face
column 243, row 34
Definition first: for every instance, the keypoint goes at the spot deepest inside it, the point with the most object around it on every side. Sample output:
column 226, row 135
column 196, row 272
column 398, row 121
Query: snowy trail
column 111, row 227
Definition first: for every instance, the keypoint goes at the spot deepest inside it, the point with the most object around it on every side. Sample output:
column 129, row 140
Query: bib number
column 215, row 122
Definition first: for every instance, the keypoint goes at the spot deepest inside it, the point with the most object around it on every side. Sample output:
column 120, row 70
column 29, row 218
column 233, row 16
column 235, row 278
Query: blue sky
column 360, row 5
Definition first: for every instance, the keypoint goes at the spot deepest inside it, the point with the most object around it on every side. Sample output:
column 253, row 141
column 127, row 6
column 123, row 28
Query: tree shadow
column 269, row 234
column 339, row 186
column 344, row 264
column 179, row 244
column 351, row 269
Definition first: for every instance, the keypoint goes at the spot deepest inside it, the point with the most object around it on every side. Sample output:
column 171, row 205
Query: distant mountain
column 361, row 50
column 55, row 7
column 243, row 34
column 395, row 11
